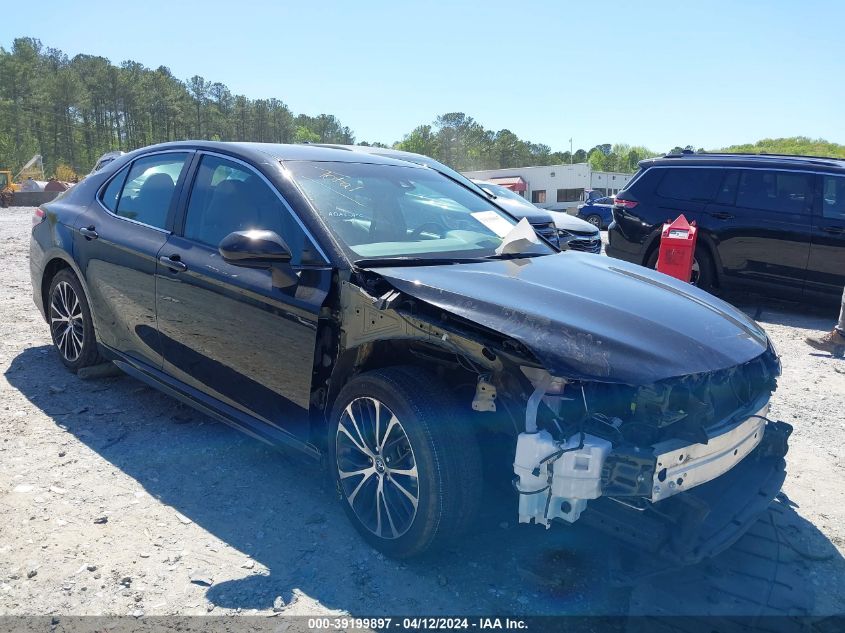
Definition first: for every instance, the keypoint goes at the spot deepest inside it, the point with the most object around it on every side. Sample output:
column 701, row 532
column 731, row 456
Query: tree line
column 795, row 145
column 73, row 110
column 461, row 142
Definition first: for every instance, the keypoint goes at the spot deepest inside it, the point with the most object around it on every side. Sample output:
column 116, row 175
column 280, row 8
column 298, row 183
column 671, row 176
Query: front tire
column 71, row 325
column 406, row 467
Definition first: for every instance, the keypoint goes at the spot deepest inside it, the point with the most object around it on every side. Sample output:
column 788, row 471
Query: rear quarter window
column 694, row 184
column 112, row 192
column 634, row 179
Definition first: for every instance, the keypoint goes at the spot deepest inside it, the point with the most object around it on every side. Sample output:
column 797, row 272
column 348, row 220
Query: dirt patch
column 115, row 499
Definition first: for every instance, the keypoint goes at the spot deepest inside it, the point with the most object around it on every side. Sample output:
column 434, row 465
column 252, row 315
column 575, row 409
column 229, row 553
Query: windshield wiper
column 376, row 262
column 515, row 255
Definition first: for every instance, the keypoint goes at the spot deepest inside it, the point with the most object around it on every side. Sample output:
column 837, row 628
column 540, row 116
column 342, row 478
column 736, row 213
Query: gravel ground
column 115, row 499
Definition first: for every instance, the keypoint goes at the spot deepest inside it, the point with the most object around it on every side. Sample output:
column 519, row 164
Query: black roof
column 725, row 159
column 389, row 152
column 260, row 152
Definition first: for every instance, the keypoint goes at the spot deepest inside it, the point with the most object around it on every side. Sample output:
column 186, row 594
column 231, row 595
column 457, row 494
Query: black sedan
column 373, row 313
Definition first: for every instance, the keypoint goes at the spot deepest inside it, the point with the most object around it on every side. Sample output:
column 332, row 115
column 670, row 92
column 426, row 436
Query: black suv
column 776, row 223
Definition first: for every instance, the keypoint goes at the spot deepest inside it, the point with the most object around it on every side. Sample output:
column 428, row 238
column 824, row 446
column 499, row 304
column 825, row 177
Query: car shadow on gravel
column 278, row 511
column 808, row 315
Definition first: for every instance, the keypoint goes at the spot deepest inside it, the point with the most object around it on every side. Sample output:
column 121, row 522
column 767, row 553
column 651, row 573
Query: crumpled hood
column 591, row 317
column 570, row 223
column 519, row 210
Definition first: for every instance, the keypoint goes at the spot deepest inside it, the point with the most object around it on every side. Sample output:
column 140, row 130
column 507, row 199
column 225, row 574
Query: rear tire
column 703, row 275
column 417, row 469
column 71, row 325
column 706, row 274
column 595, row 220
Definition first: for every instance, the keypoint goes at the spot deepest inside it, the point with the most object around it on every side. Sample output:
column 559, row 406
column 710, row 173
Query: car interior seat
column 388, row 224
column 227, row 211
column 153, row 200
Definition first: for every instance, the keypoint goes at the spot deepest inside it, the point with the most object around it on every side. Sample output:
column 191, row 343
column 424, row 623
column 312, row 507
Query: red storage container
column 677, row 249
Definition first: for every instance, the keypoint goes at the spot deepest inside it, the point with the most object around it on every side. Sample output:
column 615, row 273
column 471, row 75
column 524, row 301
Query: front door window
column 229, row 197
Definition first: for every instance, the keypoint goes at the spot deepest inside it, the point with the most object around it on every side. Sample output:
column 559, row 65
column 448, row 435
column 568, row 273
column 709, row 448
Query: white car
column 573, row 233
column 105, row 159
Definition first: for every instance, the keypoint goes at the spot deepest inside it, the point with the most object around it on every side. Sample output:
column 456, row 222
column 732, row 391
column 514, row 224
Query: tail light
column 38, row 216
column 625, row 204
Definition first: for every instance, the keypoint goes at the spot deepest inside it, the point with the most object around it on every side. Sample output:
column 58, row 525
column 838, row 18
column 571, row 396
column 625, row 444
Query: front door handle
column 835, row 230
column 89, row 232
column 174, row 263
column 722, row 215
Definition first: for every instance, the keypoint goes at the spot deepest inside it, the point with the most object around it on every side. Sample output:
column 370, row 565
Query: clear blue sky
column 648, row 73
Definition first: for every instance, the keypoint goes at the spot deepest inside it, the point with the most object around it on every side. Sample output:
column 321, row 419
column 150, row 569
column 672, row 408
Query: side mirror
column 254, row 249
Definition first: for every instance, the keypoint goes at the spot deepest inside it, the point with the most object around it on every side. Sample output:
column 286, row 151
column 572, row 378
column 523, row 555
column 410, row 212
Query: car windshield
column 419, row 159
column 387, row 211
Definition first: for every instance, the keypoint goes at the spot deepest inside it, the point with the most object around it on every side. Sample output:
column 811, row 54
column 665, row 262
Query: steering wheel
column 439, row 229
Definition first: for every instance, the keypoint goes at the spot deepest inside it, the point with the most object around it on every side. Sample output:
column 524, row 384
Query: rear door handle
column 89, row 232
column 836, row 230
column 722, row 215
column 173, row 263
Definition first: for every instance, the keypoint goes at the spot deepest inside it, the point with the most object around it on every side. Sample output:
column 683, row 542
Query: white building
column 556, row 187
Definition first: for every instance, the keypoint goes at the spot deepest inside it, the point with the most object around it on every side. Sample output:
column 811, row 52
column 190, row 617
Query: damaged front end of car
column 608, row 431
column 680, row 468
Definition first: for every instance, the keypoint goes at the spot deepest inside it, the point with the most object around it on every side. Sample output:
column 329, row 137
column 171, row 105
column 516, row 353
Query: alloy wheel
column 66, row 323
column 595, row 221
column 377, row 470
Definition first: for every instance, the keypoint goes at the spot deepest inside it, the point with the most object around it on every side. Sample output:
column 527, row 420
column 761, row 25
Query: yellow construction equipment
column 7, row 188
column 6, row 180
column 33, row 168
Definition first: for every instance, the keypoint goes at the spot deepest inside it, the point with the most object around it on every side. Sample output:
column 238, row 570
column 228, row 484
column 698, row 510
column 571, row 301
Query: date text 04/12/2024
column 416, row 623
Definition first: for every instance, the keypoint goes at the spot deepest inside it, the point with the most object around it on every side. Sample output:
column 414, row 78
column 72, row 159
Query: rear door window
column 780, row 191
column 727, row 190
column 150, row 188
column 696, row 184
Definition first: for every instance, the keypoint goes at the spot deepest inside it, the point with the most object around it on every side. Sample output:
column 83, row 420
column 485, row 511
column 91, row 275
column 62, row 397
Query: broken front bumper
column 660, row 497
column 681, row 465
column 703, row 521
column 557, row 479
